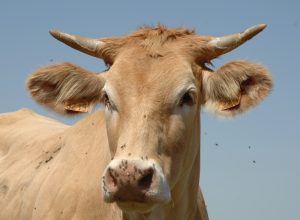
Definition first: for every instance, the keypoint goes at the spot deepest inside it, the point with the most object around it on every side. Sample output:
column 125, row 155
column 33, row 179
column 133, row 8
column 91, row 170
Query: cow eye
column 106, row 101
column 187, row 99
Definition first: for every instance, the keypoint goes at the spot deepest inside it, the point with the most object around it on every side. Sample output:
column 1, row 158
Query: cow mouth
column 141, row 207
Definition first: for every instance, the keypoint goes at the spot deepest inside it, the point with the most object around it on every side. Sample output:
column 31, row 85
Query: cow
column 139, row 156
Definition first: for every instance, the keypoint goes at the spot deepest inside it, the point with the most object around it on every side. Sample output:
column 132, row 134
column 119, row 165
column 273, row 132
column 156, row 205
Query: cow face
column 152, row 111
column 153, row 91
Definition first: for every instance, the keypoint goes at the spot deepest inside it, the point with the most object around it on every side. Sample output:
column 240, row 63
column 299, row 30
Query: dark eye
column 186, row 99
column 106, row 100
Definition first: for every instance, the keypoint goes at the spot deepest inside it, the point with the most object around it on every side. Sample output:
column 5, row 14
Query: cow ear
column 65, row 88
column 235, row 87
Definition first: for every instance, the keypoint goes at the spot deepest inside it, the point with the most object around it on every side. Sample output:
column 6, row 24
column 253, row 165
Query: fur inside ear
column 56, row 86
column 236, row 87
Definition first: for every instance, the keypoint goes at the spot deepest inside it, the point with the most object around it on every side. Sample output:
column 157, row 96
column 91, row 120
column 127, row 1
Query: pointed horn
column 222, row 45
column 83, row 44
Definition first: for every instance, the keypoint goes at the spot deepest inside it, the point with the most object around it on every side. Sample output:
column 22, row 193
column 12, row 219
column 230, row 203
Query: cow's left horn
column 222, row 45
column 83, row 44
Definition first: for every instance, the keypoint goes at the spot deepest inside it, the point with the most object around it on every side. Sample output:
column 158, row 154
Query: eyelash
column 186, row 99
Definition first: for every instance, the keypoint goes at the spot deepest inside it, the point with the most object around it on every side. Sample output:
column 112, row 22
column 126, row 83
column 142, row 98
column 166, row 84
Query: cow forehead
column 136, row 70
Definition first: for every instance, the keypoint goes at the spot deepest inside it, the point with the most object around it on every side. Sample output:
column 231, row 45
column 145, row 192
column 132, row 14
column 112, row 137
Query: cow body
column 139, row 158
column 57, row 170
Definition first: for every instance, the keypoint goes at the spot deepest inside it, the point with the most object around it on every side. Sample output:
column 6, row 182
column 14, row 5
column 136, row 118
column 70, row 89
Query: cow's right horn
column 83, row 44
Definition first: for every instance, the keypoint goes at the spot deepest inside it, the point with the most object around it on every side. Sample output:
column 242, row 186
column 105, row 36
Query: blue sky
column 235, row 188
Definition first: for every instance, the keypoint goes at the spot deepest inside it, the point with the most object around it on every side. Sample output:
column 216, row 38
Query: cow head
column 155, row 85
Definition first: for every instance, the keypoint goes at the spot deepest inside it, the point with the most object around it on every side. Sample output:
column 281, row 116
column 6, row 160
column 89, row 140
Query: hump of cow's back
column 23, row 126
column 26, row 139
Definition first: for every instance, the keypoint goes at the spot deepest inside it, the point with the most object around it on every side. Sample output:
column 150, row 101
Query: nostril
column 146, row 180
column 111, row 178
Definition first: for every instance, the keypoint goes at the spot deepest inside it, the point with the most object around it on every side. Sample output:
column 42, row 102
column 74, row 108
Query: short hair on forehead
column 151, row 41
column 159, row 34
column 161, row 30
column 152, row 38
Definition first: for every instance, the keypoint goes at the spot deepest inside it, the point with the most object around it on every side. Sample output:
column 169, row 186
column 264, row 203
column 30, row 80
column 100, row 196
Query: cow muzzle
column 135, row 182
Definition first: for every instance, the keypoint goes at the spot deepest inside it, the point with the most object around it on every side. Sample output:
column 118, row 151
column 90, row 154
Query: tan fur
column 238, row 80
column 57, row 167
column 56, row 84
column 52, row 171
column 154, row 39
